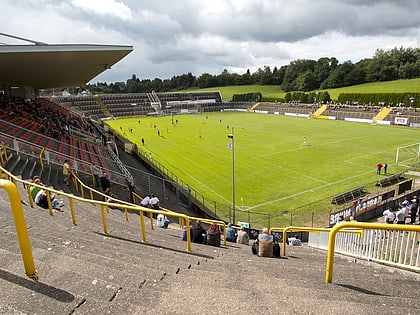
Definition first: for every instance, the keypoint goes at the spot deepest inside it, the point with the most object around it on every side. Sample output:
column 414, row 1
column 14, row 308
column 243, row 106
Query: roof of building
column 44, row 66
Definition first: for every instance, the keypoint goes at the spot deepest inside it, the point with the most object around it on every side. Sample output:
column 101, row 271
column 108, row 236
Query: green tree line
column 299, row 75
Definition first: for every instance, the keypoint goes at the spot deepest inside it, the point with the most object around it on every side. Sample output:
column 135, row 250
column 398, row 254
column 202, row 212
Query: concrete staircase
column 382, row 114
column 83, row 271
column 102, row 106
column 253, row 107
column 320, row 110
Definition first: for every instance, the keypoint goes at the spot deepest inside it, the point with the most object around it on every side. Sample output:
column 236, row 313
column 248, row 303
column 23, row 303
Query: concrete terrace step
column 83, row 271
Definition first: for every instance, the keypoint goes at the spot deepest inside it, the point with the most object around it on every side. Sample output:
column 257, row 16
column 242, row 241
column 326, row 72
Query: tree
column 133, row 84
column 306, row 82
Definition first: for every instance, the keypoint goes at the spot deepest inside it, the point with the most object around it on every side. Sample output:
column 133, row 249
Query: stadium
column 289, row 167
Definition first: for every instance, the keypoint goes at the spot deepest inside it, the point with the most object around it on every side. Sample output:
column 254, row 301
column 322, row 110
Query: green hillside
column 271, row 91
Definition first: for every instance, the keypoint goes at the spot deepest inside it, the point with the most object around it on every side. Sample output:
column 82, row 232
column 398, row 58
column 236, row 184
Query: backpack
column 276, row 250
column 254, row 248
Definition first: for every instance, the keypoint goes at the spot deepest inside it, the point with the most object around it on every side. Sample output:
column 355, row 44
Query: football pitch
column 274, row 171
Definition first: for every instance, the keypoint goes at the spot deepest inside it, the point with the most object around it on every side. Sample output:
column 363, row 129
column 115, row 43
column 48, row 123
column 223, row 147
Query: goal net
column 408, row 155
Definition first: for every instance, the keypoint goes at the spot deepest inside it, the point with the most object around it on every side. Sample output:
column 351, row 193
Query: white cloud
column 104, row 8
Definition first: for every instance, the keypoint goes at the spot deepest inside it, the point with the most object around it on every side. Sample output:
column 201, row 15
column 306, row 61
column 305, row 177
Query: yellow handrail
column 116, row 204
column 21, row 231
column 360, row 225
column 305, row 229
column 3, row 155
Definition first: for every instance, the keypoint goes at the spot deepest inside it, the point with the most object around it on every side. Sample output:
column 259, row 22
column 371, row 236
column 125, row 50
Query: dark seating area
column 348, row 196
column 390, row 180
column 137, row 104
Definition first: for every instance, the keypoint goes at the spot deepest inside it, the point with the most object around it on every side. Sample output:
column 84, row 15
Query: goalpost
column 408, row 155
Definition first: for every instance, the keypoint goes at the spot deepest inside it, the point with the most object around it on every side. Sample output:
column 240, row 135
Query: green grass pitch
column 274, row 172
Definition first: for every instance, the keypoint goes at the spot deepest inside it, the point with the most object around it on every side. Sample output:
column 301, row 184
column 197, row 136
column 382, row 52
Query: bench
column 390, row 180
column 348, row 195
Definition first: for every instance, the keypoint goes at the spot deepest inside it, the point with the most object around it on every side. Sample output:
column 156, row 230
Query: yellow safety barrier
column 306, row 229
column 360, row 225
column 3, row 156
column 21, row 231
column 21, row 225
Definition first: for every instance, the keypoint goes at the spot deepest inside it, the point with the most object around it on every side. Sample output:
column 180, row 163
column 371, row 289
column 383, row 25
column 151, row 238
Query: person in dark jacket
column 213, row 235
column 199, row 233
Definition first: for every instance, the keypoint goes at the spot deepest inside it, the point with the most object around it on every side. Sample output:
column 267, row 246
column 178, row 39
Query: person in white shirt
column 389, row 216
column 145, row 202
column 162, row 221
column 154, row 202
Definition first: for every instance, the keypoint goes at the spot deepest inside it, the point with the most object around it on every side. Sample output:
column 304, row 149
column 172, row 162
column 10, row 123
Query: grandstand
column 85, row 268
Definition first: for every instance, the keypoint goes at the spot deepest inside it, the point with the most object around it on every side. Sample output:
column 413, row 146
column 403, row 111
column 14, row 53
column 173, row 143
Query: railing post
column 21, row 231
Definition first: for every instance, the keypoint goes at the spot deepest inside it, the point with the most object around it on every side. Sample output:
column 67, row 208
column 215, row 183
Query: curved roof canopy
column 45, row 66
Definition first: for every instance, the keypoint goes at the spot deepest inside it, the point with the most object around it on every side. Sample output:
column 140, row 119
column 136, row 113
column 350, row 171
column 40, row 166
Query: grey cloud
column 173, row 37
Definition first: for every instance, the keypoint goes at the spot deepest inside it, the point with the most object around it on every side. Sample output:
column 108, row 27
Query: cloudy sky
column 197, row 36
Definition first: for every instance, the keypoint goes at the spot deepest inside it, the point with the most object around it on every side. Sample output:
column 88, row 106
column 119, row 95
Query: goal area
column 408, row 155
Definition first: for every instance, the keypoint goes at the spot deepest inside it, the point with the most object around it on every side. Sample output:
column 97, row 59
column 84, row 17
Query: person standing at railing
column 145, row 201
column 96, row 175
column 389, row 216
column 414, row 208
column 400, row 215
column 105, row 183
column 66, row 172
column 154, row 202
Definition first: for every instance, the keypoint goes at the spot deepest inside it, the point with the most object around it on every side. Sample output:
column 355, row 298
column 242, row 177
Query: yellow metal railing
column 21, row 231
column 360, row 225
column 3, row 156
column 80, row 186
column 306, row 229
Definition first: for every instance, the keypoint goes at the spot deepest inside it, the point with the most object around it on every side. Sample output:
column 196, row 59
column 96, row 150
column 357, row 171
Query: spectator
column 96, row 175
column 145, row 202
column 162, row 221
column 414, row 207
column 378, row 168
column 230, row 233
column 213, row 235
column 42, row 201
column 66, row 172
column 154, row 202
column 184, row 233
column 243, row 237
column 131, row 190
column 199, row 233
column 400, row 215
column 105, row 182
column 265, row 244
column 34, row 190
column 389, row 216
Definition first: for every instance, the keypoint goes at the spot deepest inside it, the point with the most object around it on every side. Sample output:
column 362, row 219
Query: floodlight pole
column 231, row 136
